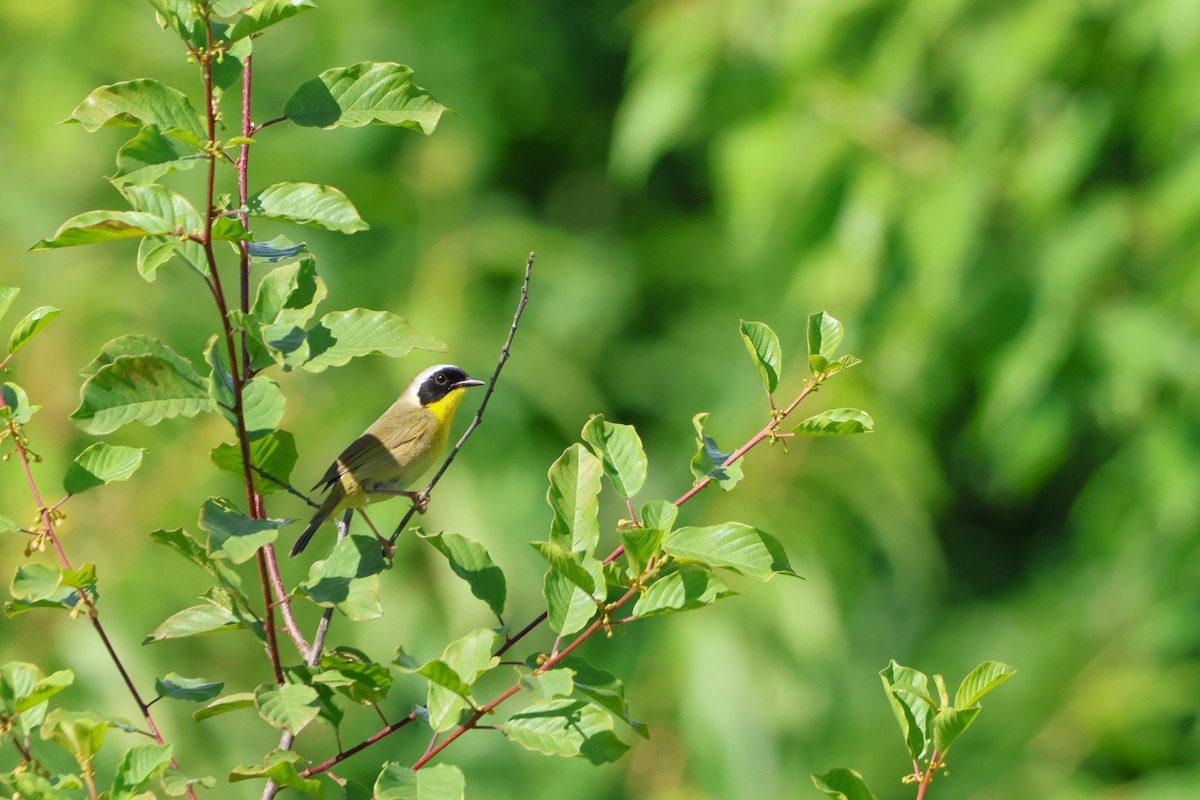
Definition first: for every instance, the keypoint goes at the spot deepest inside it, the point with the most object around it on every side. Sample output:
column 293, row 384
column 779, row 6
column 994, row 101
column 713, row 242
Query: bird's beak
column 469, row 382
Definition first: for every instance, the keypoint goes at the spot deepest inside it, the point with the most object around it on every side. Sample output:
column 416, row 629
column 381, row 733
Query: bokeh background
column 1000, row 200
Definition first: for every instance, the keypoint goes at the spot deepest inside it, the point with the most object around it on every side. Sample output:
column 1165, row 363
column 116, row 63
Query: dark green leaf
column 709, row 461
column 980, row 681
column 471, row 562
column 566, row 728
column 824, row 335
column 836, row 422
column 348, row 579
column 195, row 690
column 364, row 680
column 149, row 155
column 343, row 335
column 141, row 764
column 138, row 103
column 280, row 766
column 315, row 205
column 143, row 388
column 231, row 534
column 843, row 784
column 16, row 404
column 223, row 705
column 440, row 782
column 683, row 590
column 30, row 326
column 275, row 454
column 605, row 690
column 732, row 545
column 574, row 498
column 620, row 449
column 289, row 707
column 100, row 464
column 264, row 14
column 364, row 94
column 763, row 346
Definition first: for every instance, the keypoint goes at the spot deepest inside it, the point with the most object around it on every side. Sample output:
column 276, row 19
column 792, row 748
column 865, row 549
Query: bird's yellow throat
column 444, row 409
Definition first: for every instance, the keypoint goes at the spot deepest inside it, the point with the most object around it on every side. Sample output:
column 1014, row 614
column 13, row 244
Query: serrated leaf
column 275, row 454
column 311, row 204
column 348, row 579
column 343, row 335
column 709, row 461
column 470, row 561
column 138, row 103
column 195, row 621
column 440, row 782
column 566, row 728
column 99, row 464
column 732, row 545
column 684, row 590
column 280, row 767
column 141, row 764
column 949, row 724
column 30, row 326
column 907, row 691
column 224, row 705
column 763, row 346
column 194, row 690
column 231, row 534
column 574, row 497
column 980, row 681
column 836, row 422
column 142, row 388
column 605, row 690
column 843, row 784
column 824, row 335
column 289, row 707
column 369, row 93
column 620, row 449
column 94, row 227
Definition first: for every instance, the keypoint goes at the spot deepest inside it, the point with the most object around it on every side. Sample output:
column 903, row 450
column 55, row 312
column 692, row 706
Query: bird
column 395, row 449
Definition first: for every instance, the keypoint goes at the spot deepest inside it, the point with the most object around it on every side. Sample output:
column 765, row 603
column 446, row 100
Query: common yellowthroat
column 396, row 449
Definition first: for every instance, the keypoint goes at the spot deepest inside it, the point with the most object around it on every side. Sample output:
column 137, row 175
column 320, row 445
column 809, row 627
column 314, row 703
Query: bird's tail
column 335, row 496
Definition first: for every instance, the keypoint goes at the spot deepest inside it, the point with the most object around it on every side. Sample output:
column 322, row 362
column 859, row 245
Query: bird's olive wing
column 382, row 449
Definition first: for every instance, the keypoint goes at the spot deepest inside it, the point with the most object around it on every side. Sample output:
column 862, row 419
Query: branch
column 504, row 353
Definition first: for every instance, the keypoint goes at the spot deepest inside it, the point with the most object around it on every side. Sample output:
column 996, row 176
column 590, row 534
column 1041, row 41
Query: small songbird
column 396, row 449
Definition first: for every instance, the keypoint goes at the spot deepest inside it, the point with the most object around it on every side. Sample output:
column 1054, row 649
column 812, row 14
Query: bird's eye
column 441, row 378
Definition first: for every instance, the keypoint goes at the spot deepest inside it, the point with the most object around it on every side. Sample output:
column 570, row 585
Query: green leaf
column 343, row 335
column 35, row 581
column 574, row 566
column 275, row 454
column 40, row 586
column 709, row 461
column 468, row 657
column 288, row 295
column 223, row 705
column 23, row 686
column 30, row 326
column 7, row 295
column 264, row 14
column 143, row 388
column 843, row 784
column 194, row 690
column 134, row 344
column 980, row 681
column 311, row 204
column 641, row 545
column 153, row 254
column 179, row 540
column 566, row 727
column 17, row 407
column 620, row 449
column 824, row 335
column 94, row 227
column 763, row 346
column 231, row 534
column 195, row 621
column 141, row 764
column 550, row 685
column 908, row 694
column 150, row 154
column 569, row 604
column 471, row 562
column 176, row 784
column 139, row 103
column 348, row 579
column 262, row 407
column 948, row 725
column 440, row 782
column 574, row 498
column 659, row 514
column 370, row 93
column 836, row 422
column 289, row 707
column 100, row 464
column 732, row 545
column 280, row 767
column 605, row 690
column 683, row 590
column 80, row 733
column 364, row 681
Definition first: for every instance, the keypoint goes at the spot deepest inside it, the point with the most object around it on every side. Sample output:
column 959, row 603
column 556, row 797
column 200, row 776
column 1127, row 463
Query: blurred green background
column 1001, row 202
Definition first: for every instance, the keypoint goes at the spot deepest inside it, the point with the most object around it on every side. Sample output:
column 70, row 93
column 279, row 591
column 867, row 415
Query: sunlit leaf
column 836, row 422
column 709, row 461
column 620, row 449
column 980, row 681
column 343, row 335
column 30, row 326
column 824, row 335
column 7, row 295
column 843, row 784
column 605, row 690
column 439, row 782
column 16, row 404
column 348, row 579
column 140, row 765
column 264, row 14
column 289, row 707
column 574, row 498
column 143, row 388
column 732, row 545
column 763, row 346
column 150, row 154
column 311, row 204
column 369, row 93
column 280, row 766
column 908, row 694
column 274, row 454
column 94, row 227
column 949, row 724
column 567, row 727
column 683, row 590
column 224, row 705
column 195, row 621
column 194, row 690
column 470, row 561
column 232, row 534
column 138, row 103
column 99, row 464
